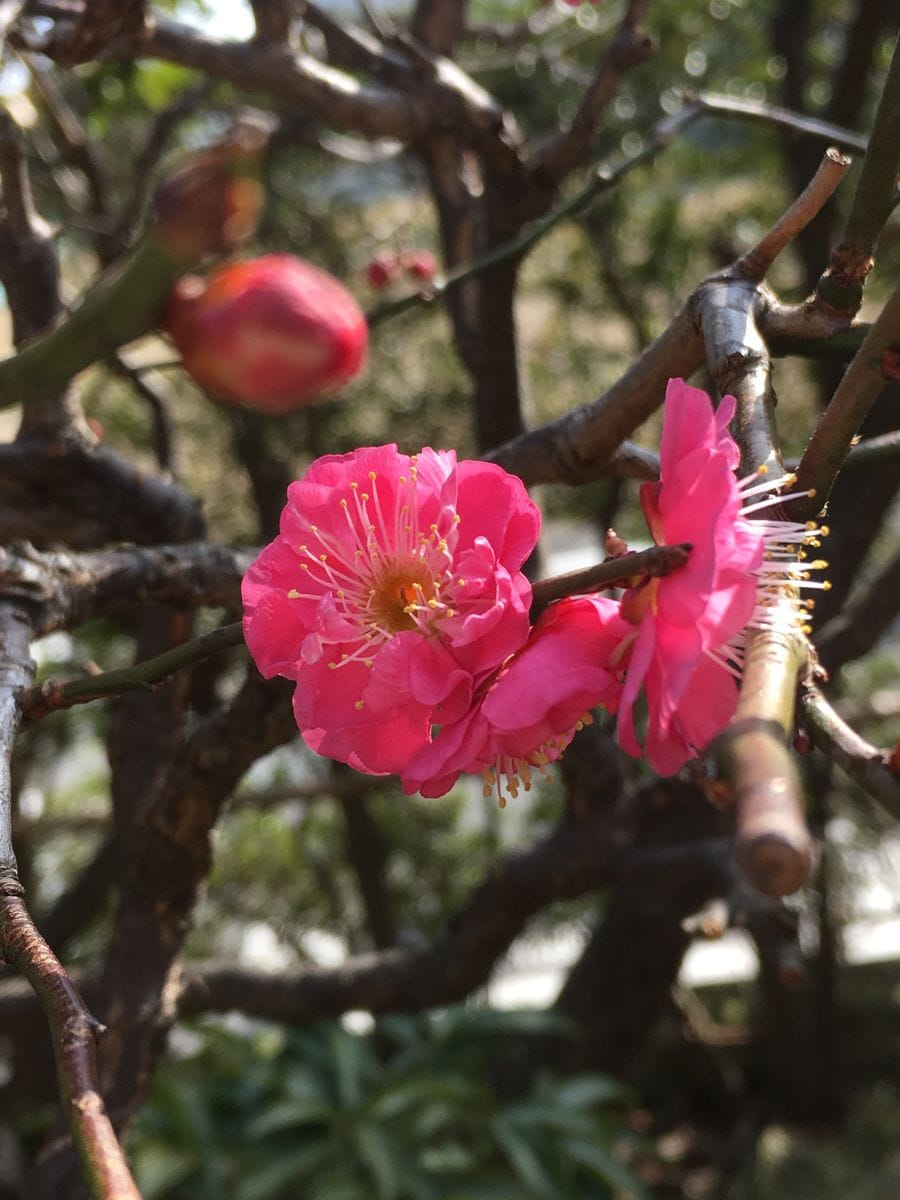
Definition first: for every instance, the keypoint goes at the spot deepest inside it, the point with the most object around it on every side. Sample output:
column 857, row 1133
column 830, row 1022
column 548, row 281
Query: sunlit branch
column 782, row 118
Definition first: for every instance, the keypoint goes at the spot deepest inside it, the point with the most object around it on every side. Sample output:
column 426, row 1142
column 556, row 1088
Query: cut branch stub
column 773, row 846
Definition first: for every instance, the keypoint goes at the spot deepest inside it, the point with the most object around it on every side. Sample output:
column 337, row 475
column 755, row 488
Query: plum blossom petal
column 392, row 591
column 530, row 709
column 690, row 615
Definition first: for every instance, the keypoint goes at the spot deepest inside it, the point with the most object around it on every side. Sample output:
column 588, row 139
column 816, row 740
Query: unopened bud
column 272, row 333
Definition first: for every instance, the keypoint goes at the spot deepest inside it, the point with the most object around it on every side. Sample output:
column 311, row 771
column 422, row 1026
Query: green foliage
column 418, row 1110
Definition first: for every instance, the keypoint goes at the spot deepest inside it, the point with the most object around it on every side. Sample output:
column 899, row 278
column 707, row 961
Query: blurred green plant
column 422, row 1108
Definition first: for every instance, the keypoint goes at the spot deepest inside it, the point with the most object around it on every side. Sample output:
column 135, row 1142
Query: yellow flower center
column 399, row 594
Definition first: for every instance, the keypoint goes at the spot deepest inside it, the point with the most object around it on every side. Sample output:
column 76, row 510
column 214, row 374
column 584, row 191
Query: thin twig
column 163, row 443
column 54, row 694
column 603, row 178
column 841, row 287
column 839, row 424
column 628, row 48
column 755, row 263
column 863, row 763
column 860, row 624
column 73, row 1028
column 75, row 1034
column 783, row 118
column 622, row 571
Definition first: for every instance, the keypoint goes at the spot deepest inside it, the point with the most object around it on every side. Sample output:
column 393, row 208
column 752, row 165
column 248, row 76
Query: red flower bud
column 381, row 271
column 421, row 264
column 272, row 333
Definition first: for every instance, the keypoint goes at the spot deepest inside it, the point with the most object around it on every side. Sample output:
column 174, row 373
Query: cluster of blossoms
column 394, row 597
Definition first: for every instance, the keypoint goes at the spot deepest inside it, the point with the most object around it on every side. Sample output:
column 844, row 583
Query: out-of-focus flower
column 689, row 627
column 391, row 592
column 421, row 265
column 381, row 271
column 525, row 714
column 272, row 333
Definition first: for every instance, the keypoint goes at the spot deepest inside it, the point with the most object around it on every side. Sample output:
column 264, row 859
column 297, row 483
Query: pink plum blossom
column 527, row 712
column 392, row 590
column 683, row 622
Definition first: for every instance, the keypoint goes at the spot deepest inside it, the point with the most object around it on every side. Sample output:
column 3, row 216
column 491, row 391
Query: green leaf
column 290, row 1114
column 376, row 1152
column 454, row 1091
column 294, row 1168
column 523, row 1158
column 604, row 1166
column 585, row 1090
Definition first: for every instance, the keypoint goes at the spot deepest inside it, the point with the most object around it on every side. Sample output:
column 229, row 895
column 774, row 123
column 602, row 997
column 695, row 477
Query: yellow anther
column 372, row 475
column 358, row 704
column 343, row 503
column 293, row 594
column 824, row 531
column 811, row 493
column 354, row 485
column 304, row 566
column 826, row 586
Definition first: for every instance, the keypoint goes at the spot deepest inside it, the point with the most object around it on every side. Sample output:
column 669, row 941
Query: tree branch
column 54, row 694
column 333, row 96
column 73, row 1028
column 622, row 571
column 64, row 590
column 839, row 424
column 857, row 628
column 755, row 263
column 862, row 762
column 629, row 48
column 783, row 118
column 841, row 287
column 205, row 208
